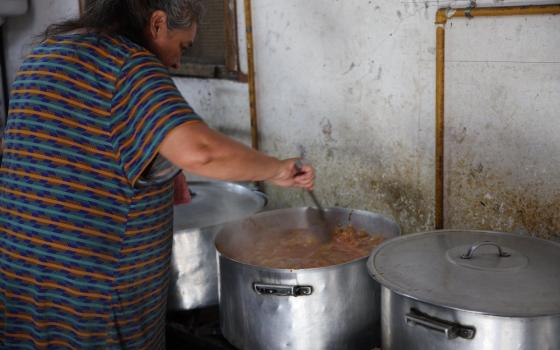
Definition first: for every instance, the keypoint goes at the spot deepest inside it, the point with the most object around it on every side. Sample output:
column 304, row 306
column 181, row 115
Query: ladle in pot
column 324, row 232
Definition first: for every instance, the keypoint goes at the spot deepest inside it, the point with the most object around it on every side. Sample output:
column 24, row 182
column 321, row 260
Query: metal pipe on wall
column 440, row 84
column 442, row 15
column 251, row 75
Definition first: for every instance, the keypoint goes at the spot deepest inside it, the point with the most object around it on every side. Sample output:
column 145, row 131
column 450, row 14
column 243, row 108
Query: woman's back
column 83, row 253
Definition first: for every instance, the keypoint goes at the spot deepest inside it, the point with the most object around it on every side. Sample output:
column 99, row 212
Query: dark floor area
column 195, row 330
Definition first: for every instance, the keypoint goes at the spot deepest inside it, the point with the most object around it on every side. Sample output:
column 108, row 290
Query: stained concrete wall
column 360, row 77
column 502, row 113
column 350, row 85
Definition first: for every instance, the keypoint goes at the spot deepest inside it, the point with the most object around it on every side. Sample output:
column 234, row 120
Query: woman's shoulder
column 131, row 52
column 115, row 47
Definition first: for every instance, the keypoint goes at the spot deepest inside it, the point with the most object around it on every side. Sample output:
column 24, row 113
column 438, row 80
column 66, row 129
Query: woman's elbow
column 196, row 160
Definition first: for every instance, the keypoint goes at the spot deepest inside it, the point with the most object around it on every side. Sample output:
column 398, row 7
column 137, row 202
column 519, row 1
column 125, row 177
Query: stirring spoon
column 325, row 235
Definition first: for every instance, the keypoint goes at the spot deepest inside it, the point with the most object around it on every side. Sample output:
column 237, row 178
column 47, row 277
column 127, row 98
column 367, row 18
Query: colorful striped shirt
column 84, row 253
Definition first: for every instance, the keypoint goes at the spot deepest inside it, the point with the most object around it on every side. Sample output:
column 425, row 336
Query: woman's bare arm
column 197, row 149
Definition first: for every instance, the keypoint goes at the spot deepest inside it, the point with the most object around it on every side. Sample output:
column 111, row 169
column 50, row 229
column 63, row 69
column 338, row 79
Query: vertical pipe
column 440, row 70
column 251, row 75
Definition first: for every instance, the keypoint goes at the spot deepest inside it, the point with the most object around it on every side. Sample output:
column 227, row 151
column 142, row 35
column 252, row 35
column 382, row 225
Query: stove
column 197, row 329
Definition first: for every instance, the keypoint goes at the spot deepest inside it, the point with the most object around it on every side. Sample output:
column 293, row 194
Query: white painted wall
column 351, row 84
column 21, row 32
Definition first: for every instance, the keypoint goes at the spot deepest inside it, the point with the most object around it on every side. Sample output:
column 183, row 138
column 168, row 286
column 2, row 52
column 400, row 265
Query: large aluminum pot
column 333, row 307
column 194, row 278
column 468, row 290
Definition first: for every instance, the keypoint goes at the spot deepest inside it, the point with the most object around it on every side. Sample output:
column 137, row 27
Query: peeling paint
column 379, row 72
column 326, row 128
column 458, row 135
column 352, row 66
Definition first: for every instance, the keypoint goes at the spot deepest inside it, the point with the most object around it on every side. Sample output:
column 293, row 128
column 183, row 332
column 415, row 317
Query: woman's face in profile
column 169, row 44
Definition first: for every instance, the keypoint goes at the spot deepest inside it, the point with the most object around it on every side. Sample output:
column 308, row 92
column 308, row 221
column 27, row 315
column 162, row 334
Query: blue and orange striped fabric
column 84, row 255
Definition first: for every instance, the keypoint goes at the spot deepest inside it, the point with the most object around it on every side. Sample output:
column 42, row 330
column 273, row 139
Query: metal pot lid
column 465, row 270
column 216, row 202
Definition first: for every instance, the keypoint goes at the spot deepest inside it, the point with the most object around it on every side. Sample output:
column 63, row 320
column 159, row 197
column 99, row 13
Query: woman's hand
column 289, row 175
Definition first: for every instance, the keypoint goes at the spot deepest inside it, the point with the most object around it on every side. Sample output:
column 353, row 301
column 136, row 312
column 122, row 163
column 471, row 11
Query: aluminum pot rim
column 310, row 269
column 238, row 186
column 395, row 289
column 285, row 270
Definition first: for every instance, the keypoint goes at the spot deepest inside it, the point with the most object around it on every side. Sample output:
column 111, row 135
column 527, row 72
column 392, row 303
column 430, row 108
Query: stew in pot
column 303, row 248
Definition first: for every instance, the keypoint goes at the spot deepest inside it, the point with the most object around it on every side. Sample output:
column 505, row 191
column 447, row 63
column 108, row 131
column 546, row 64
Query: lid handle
column 475, row 246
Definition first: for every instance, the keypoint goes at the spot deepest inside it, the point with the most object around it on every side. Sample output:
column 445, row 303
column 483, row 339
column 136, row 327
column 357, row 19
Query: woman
column 85, row 220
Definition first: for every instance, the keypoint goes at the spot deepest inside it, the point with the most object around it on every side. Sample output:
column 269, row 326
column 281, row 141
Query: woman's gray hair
column 182, row 13
column 130, row 17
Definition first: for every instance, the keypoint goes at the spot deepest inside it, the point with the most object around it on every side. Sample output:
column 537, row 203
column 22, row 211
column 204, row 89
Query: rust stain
column 363, row 182
column 407, row 204
column 480, row 198
column 477, row 197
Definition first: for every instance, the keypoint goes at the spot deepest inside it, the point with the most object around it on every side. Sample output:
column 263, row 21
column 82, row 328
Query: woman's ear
column 157, row 24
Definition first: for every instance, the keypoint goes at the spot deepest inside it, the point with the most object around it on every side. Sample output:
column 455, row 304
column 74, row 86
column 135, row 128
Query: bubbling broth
column 304, row 248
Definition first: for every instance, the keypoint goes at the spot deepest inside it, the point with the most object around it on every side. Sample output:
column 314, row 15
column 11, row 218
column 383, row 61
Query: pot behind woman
column 194, row 279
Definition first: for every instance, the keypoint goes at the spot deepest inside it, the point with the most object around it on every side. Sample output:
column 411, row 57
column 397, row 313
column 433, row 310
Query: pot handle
column 451, row 330
column 282, row 290
column 475, row 246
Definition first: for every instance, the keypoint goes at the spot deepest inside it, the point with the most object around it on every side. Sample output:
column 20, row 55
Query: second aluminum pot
column 194, row 279
column 332, row 307
column 468, row 290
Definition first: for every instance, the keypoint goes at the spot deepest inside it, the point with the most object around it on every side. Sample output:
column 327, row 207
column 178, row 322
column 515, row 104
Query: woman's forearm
column 202, row 151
